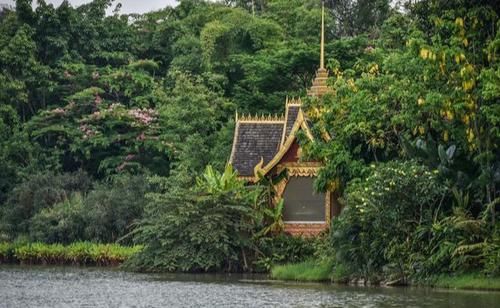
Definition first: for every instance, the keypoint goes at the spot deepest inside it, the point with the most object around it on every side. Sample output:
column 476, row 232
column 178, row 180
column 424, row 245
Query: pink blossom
column 141, row 137
column 98, row 100
column 114, row 105
column 96, row 115
column 143, row 116
column 71, row 105
column 58, row 111
column 129, row 157
column 121, row 167
column 369, row 49
column 87, row 131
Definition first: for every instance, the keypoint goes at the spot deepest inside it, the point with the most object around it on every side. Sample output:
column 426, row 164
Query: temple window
column 302, row 204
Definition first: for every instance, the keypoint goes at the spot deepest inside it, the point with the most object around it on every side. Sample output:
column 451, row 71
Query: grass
column 312, row 270
column 81, row 253
column 317, row 271
column 467, row 282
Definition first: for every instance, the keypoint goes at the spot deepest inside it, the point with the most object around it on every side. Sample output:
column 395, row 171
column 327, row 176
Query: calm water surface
column 94, row 287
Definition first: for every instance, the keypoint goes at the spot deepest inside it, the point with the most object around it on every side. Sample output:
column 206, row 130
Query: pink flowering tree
column 108, row 127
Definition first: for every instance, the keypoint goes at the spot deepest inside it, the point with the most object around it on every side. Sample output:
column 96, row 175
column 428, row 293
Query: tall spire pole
column 322, row 57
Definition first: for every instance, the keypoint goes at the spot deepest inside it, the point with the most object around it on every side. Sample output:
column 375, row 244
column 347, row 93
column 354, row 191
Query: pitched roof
column 255, row 141
column 259, row 141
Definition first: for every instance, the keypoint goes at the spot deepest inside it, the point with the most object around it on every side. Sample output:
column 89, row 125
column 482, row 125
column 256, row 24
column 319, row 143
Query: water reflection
column 94, row 287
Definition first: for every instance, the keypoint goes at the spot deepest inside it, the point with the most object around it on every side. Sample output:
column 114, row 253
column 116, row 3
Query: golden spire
column 322, row 56
column 319, row 86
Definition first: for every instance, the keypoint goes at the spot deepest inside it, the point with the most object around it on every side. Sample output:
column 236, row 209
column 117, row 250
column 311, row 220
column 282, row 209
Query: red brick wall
column 306, row 230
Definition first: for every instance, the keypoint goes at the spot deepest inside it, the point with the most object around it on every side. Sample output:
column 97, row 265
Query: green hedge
column 81, row 253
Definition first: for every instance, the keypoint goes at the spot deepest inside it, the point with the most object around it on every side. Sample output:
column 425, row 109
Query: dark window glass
column 301, row 203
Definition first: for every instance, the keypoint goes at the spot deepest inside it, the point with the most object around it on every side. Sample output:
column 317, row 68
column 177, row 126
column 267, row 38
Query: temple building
column 268, row 146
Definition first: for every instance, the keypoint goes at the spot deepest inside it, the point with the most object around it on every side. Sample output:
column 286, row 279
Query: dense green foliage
column 205, row 227
column 376, row 229
column 78, row 253
column 107, row 124
column 96, row 111
column 214, row 224
column 66, row 208
column 414, row 148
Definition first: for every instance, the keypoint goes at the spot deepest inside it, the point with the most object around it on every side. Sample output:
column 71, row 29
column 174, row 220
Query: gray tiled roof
column 293, row 111
column 254, row 141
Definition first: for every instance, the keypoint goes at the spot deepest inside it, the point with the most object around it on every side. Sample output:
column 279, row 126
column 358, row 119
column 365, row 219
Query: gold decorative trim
column 302, row 164
column 286, row 121
column 309, row 169
column 293, row 101
column 258, row 167
column 302, row 171
column 279, row 189
column 261, row 119
column 247, row 178
column 235, row 138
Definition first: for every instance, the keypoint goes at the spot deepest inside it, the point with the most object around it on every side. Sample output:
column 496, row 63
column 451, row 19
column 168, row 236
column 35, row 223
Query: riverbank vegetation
column 312, row 271
column 79, row 253
column 108, row 124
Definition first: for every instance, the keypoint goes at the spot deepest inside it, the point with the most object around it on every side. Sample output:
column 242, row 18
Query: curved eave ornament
column 261, row 170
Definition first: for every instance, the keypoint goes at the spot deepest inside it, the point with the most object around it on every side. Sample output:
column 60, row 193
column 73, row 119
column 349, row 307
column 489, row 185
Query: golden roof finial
column 322, row 56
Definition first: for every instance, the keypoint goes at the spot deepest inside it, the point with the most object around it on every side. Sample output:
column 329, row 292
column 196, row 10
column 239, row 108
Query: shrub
column 111, row 209
column 282, row 249
column 491, row 254
column 382, row 212
column 206, row 227
column 41, row 191
column 454, row 243
column 105, row 215
column 6, row 252
column 64, row 223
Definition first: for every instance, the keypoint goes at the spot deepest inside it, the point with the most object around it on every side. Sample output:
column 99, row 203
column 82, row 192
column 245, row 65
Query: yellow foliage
column 421, row 130
column 459, row 22
column 470, row 135
column 448, row 115
column 374, row 69
column 468, row 85
column 424, row 53
column 352, row 85
column 459, row 58
column 446, row 136
column 441, row 67
column 420, row 101
column 334, row 185
column 466, row 119
column 465, row 42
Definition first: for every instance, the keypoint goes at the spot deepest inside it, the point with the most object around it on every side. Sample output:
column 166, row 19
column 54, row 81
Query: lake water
column 97, row 287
